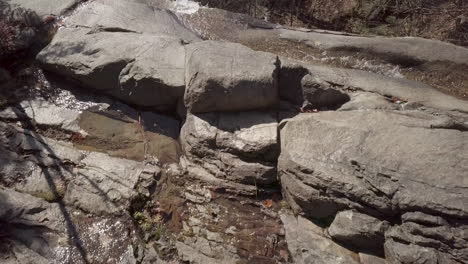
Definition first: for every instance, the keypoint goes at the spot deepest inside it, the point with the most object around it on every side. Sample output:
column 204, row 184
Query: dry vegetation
column 438, row 19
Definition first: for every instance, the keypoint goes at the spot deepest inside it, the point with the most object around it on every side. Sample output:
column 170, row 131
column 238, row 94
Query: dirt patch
column 436, row 19
column 248, row 228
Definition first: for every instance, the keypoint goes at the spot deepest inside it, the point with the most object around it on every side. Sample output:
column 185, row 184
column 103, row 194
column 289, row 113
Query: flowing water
column 185, row 6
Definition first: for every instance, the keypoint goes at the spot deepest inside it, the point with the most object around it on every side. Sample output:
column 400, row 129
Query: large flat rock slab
column 137, row 16
column 384, row 164
column 401, row 154
column 143, row 69
column 404, row 50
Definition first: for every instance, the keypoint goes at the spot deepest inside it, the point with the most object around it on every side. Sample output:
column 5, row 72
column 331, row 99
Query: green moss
column 154, row 225
column 50, row 196
column 391, row 19
column 284, row 205
column 159, row 232
column 139, row 216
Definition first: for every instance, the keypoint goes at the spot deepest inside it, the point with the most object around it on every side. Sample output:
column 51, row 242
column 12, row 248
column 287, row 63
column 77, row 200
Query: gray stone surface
column 365, row 100
column 425, row 230
column 407, row 90
column 308, row 244
column 20, row 208
column 240, row 147
column 403, row 253
column 137, row 16
column 395, row 49
column 320, row 94
column 197, row 172
column 106, row 185
column 307, row 90
column 400, row 178
column 200, row 251
column 380, row 163
column 371, row 259
column 46, row 7
column 358, row 230
column 143, row 69
column 222, row 76
column 93, row 182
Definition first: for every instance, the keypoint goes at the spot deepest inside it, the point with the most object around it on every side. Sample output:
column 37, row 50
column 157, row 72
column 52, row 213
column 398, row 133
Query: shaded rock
column 23, row 29
column 307, row 243
column 44, row 150
column 5, row 76
column 240, row 147
column 358, row 230
column 35, row 165
column 404, row 51
column 41, row 112
column 40, row 232
column 430, row 231
column 319, row 94
column 223, row 76
column 19, row 208
column 419, row 217
column 132, row 16
column 303, row 89
column 52, row 170
column 144, row 70
column 46, row 7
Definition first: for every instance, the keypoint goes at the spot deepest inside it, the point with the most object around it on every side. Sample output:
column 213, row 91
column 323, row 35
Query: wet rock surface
column 256, row 166
column 40, row 223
